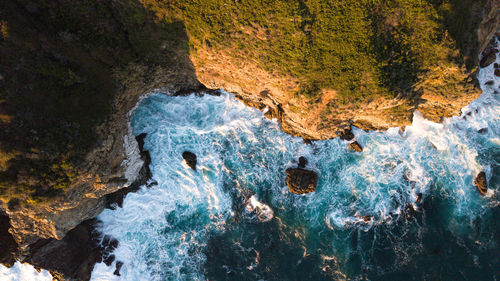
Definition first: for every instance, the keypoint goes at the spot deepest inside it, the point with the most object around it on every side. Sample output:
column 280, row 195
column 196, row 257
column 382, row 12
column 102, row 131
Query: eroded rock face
column 72, row 257
column 190, row 159
column 301, row 181
column 488, row 56
column 8, row 246
column 355, row 146
column 481, row 183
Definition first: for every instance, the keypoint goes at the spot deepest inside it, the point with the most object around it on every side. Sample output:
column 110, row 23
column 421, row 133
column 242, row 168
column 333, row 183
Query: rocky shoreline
column 61, row 236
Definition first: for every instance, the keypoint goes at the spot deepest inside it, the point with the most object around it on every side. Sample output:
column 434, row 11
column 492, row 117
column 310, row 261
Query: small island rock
column 301, row 181
column 190, row 159
column 355, row 146
column 481, row 183
column 302, row 162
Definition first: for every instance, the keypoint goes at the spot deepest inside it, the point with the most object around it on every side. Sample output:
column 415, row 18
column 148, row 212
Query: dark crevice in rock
column 116, row 198
column 8, row 245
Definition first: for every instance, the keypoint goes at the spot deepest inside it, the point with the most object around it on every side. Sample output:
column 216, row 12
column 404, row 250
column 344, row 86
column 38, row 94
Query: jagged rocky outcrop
column 355, row 146
column 481, row 183
column 117, row 164
column 301, row 181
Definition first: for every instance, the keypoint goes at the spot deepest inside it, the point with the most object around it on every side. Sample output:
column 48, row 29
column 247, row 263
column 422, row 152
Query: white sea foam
column 263, row 212
column 23, row 272
column 163, row 230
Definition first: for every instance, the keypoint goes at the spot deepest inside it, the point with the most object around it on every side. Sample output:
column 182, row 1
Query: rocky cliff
column 72, row 73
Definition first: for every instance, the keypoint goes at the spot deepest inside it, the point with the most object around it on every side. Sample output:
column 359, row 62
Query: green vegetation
column 57, row 84
column 57, row 60
column 360, row 48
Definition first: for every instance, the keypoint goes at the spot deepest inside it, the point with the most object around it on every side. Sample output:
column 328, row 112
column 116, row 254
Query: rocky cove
column 119, row 164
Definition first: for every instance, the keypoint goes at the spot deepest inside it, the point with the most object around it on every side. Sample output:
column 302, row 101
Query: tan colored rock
column 301, row 181
column 481, row 183
column 355, row 146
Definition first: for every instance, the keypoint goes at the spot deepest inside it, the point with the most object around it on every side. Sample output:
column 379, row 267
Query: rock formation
column 301, row 181
column 98, row 79
column 481, row 183
column 355, row 146
column 190, row 159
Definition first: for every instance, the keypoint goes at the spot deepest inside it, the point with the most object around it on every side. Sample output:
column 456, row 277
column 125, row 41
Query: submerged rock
column 302, row 162
column 301, row 181
column 481, row 183
column 482, row 130
column 419, row 197
column 355, row 146
column 190, row 159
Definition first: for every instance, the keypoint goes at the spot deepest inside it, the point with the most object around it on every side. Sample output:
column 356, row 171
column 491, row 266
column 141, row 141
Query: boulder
column 419, row 197
column 481, row 183
column 190, row 159
column 489, row 56
column 302, row 162
column 355, row 146
column 497, row 72
column 301, row 181
column 118, row 267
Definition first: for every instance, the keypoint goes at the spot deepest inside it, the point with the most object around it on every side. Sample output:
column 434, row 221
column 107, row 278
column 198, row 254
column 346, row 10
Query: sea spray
column 363, row 220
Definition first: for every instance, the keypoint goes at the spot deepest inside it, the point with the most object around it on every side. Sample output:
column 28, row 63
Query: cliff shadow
column 62, row 65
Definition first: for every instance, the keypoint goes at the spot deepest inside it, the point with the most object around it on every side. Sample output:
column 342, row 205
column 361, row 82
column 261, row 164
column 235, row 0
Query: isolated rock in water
column 480, row 183
column 482, row 130
column 497, row 72
column 301, row 181
column 489, row 56
column 302, row 162
column 355, row 146
column 118, row 267
column 190, row 159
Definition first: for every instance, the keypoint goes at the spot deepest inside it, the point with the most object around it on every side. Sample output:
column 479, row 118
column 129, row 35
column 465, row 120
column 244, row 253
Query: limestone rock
column 481, row 183
column 301, row 181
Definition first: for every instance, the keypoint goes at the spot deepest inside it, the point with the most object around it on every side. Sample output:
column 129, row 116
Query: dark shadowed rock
column 347, row 135
column 118, row 267
column 488, row 57
column 497, row 72
column 109, row 260
column 8, row 246
column 73, row 257
column 302, row 162
column 190, row 159
column 489, row 83
column 355, row 146
column 481, row 183
column 301, row 181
